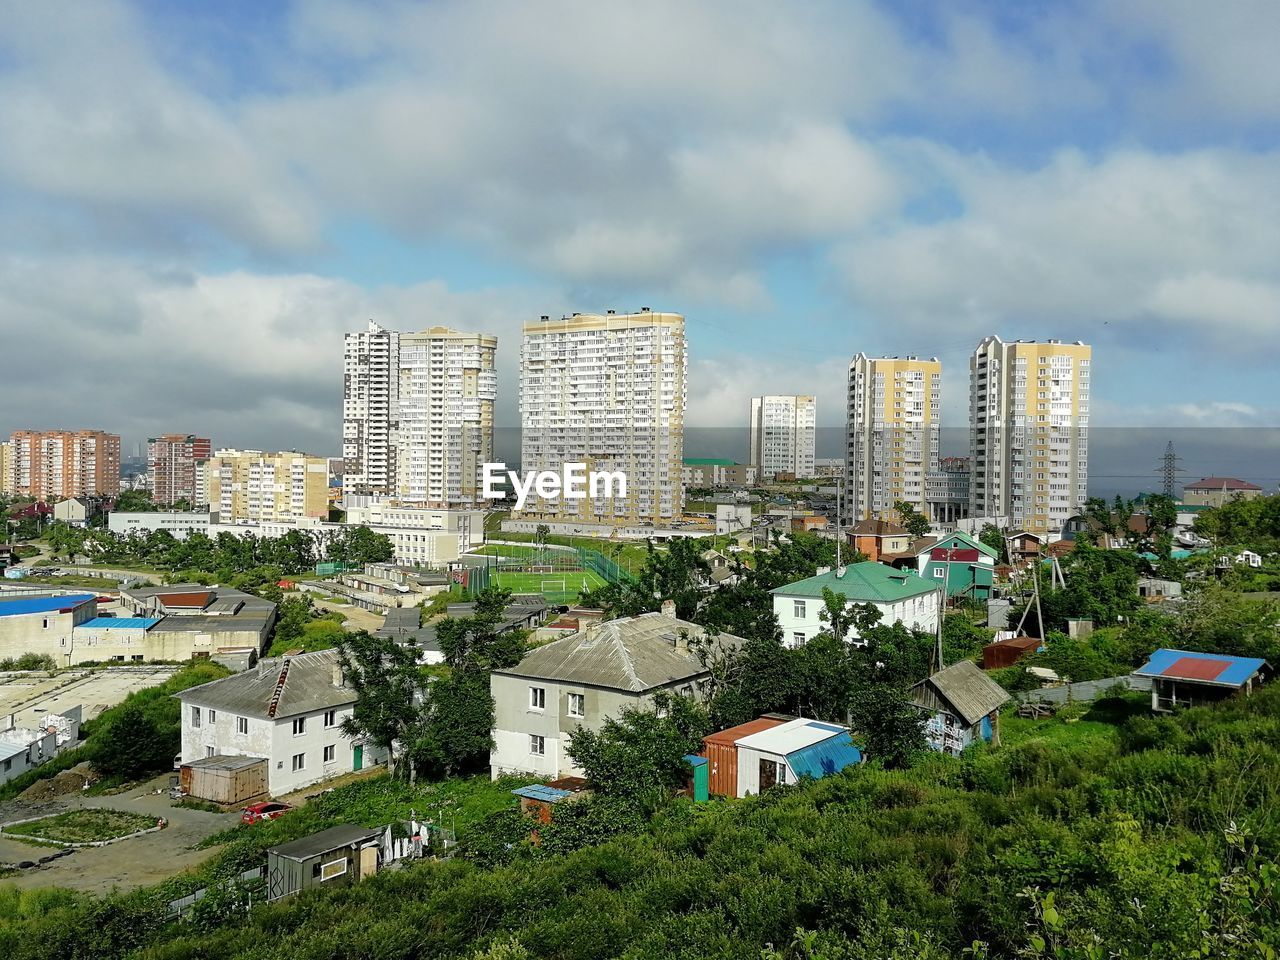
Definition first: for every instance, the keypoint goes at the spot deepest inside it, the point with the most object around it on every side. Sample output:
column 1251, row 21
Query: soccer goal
column 553, row 586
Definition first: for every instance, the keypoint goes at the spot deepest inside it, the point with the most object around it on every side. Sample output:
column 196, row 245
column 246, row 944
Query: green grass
column 82, row 826
column 1074, row 722
column 574, row 582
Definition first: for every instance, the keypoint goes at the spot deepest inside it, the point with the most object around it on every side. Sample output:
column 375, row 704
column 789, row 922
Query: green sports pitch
column 559, row 586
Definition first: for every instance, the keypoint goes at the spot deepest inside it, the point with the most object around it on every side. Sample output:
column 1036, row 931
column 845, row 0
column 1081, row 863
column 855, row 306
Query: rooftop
column 305, row 681
column 878, row 528
column 222, row 762
column 1221, row 483
column 862, row 582
column 786, row 738
column 1218, row 669
column 970, row 692
column 634, row 654
column 59, row 604
column 734, row 734
column 326, row 841
column 119, row 623
column 973, row 543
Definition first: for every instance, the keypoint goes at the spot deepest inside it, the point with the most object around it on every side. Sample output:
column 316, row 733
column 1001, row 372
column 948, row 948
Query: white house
column 288, row 710
column 900, row 595
column 790, row 751
column 583, row 679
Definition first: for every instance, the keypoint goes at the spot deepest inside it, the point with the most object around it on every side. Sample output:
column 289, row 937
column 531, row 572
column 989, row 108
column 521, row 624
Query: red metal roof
column 1195, row 668
column 198, row 600
column 1221, row 483
column 734, row 734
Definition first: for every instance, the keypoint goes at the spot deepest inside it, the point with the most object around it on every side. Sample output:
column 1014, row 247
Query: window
column 195, row 716
column 213, row 716
column 299, row 726
column 537, row 698
column 208, row 751
column 939, row 572
column 299, row 762
column 330, row 753
column 686, row 690
column 242, row 725
column 331, row 718
column 537, row 745
column 797, row 638
column 798, row 609
column 577, row 705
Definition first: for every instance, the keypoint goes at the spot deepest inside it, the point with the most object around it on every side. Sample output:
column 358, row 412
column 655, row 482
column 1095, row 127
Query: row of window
column 242, row 723
column 575, row 705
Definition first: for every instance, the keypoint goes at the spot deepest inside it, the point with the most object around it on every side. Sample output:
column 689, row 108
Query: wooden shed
column 721, row 751
column 224, row 780
column 337, row 856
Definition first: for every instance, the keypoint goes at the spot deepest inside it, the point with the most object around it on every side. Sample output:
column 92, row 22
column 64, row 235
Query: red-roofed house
column 1215, row 491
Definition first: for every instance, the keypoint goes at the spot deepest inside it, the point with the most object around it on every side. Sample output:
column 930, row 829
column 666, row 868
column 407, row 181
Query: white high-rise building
column 895, row 410
column 783, row 436
column 1029, row 405
column 418, row 414
column 608, row 391
column 370, row 379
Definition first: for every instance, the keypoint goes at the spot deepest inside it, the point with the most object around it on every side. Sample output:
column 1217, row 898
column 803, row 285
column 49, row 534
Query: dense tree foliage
column 915, row 522
column 1253, row 523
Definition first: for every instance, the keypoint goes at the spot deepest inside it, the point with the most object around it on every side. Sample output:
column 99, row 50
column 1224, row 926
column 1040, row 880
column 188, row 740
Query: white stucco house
column 901, row 596
column 288, row 710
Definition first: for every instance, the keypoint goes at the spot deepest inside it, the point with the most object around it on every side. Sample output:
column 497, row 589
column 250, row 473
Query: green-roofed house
column 901, row 596
column 963, row 563
column 716, row 472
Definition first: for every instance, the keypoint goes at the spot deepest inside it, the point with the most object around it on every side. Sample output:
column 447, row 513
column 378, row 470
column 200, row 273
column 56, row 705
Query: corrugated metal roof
column 972, row 542
column 825, row 757
column 16, row 608
column 1219, row 669
column 862, row 582
column 633, row 654
column 118, row 623
column 540, row 791
column 1221, row 483
column 308, row 687
column 223, row 762
column 734, row 734
column 335, row 838
column 786, row 738
column 971, row 693
column 9, row 750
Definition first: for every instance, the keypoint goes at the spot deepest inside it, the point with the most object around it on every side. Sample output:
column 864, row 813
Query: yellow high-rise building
column 258, row 487
column 6, row 469
column 892, row 428
column 1029, row 405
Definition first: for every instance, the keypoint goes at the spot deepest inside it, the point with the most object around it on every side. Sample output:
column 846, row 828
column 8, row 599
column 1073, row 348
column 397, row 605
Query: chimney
column 337, row 673
column 681, row 642
column 669, row 608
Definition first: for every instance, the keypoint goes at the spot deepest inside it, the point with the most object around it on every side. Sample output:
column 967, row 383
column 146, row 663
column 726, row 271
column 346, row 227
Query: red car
column 263, row 811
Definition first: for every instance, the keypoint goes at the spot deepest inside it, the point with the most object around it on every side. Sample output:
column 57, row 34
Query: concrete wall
column 44, row 633
column 919, row 613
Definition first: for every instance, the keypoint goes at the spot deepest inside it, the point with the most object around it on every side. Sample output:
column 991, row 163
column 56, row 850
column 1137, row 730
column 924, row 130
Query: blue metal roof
column 16, row 608
column 694, row 760
column 120, row 623
column 540, row 791
column 825, row 757
column 1216, row 668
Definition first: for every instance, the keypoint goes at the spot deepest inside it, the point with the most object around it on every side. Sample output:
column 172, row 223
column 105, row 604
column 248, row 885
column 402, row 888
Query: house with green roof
column 901, row 596
column 964, row 565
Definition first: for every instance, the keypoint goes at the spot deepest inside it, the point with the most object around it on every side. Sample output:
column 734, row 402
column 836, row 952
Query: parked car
column 267, row 810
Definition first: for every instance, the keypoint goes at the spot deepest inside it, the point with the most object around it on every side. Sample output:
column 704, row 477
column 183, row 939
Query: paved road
column 125, row 865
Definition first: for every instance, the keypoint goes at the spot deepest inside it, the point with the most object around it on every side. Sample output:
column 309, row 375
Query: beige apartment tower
column 894, row 416
column 176, row 464
column 6, row 468
column 783, row 436
column 607, row 390
column 57, row 464
column 1029, row 406
column 250, row 486
column 417, row 414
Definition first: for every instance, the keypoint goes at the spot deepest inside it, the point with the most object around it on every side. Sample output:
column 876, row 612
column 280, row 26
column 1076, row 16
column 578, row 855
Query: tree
column 134, row 501
column 457, row 730
column 388, row 685
column 893, row 729
column 639, row 755
column 132, row 747
column 916, row 523
column 991, row 535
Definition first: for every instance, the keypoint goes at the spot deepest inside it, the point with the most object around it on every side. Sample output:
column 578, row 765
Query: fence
column 1084, row 690
column 179, row 908
column 597, row 562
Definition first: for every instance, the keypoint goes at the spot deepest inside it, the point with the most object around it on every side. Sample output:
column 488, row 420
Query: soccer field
column 549, row 584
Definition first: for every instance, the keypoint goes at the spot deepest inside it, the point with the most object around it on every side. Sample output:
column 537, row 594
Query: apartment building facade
column 370, row 379
column 444, row 421
column 56, row 464
column 892, row 433
column 250, row 486
column 947, row 491
column 176, row 462
column 6, row 468
column 783, row 436
column 1029, row 423
column 608, row 391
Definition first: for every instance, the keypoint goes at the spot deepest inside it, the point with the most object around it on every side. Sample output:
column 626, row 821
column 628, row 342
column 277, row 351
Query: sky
column 197, row 200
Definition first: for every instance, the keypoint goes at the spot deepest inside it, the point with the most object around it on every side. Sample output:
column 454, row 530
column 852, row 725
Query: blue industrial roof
column 122, row 623
column 15, row 608
column 540, row 791
column 1216, row 668
column 825, row 757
